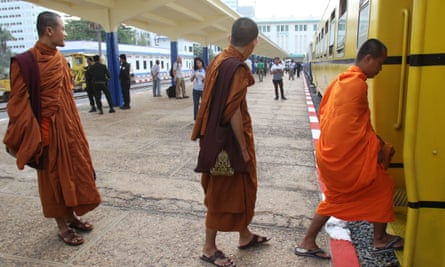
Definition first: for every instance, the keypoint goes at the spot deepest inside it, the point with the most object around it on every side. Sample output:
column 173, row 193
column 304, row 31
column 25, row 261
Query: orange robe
column 230, row 200
column 66, row 182
column 357, row 186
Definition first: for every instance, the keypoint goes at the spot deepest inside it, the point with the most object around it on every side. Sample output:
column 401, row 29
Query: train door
column 389, row 21
column 424, row 153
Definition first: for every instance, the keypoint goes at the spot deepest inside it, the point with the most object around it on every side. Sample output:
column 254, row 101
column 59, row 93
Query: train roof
column 91, row 48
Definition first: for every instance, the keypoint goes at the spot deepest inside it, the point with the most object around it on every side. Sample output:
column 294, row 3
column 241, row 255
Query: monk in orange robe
column 66, row 181
column 347, row 154
column 230, row 200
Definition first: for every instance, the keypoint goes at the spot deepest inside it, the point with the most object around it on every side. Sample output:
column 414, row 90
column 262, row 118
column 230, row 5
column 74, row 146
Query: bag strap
column 30, row 73
column 222, row 88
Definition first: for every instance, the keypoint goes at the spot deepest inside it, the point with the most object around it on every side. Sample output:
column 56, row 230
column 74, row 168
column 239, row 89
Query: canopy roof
column 204, row 21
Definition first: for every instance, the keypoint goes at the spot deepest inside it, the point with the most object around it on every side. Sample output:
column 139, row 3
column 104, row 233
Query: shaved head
column 46, row 19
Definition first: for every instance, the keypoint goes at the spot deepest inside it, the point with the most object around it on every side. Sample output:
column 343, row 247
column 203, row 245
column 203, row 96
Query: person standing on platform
column 230, row 200
column 352, row 158
column 90, row 85
column 277, row 71
column 260, row 70
column 125, row 81
column 179, row 79
column 156, row 78
column 51, row 132
column 100, row 76
column 198, row 84
column 292, row 69
column 298, row 70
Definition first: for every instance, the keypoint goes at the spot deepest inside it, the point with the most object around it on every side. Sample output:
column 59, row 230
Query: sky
column 265, row 9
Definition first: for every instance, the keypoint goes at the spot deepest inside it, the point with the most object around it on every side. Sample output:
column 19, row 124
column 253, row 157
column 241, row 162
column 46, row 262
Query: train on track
column 141, row 59
column 405, row 100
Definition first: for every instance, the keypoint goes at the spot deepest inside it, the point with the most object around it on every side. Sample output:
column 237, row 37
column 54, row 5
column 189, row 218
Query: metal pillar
column 205, row 55
column 113, row 67
column 173, row 56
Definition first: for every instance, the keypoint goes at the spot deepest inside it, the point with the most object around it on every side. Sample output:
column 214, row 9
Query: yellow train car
column 78, row 64
column 5, row 89
column 404, row 100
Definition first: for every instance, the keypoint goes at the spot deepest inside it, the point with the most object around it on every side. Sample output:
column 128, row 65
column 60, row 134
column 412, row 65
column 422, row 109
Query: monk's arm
column 237, row 126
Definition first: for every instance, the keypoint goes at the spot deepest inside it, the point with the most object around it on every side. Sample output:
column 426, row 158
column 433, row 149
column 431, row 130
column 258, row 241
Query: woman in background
column 198, row 84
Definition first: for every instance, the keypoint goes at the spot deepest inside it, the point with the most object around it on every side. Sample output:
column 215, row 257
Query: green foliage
column 84, row 30
column 126, row 35
column 197, row 52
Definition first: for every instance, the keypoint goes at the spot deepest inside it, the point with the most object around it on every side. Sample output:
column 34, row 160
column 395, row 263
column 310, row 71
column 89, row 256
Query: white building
column 292, row 35
column 19, row 18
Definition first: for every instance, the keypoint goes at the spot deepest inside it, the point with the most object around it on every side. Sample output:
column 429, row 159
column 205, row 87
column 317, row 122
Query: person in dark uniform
column 89, row 84
column 100, row 76
column 124, row 77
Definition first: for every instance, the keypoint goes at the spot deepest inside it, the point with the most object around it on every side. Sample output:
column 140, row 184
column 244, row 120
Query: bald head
column 244, row 31
column 372, row 47
column 46, row 19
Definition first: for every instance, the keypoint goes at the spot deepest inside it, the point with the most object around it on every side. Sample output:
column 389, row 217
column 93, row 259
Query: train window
column 78, row 61
column 145, row 64
column 332, row 34
column 363, row 24
column 341, row 29
column 137, row 65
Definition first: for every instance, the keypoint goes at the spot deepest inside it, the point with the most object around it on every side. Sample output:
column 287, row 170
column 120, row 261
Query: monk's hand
column 245, row 153
column 381, row 156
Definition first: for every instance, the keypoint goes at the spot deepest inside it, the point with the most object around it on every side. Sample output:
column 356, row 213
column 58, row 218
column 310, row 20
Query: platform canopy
column 207, row 22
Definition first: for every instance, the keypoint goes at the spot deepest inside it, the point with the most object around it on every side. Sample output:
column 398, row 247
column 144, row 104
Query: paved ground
column 152, row 212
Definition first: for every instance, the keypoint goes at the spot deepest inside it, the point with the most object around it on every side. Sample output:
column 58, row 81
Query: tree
column 197, row 52
column 82, row 30
column 142, row 40
column 6, row 53
column 126, row 35
column 87, row 31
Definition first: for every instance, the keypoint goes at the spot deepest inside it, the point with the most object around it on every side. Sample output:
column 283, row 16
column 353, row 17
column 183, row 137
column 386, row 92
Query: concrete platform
column 152, row 212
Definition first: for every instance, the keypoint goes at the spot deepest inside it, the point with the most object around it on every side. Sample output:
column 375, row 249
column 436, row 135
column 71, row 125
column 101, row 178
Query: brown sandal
column 81, row 225
column 71, row 238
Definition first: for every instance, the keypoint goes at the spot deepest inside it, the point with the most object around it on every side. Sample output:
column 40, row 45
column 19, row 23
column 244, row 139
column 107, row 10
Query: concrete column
column 113, row 67
column 205, row 55
column 173, row 56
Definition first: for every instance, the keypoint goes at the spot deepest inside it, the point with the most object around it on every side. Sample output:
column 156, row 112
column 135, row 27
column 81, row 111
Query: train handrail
column 398, row 123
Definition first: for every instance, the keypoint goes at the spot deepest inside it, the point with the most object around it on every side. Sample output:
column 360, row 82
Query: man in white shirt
column 179, row 79
column 156, row 79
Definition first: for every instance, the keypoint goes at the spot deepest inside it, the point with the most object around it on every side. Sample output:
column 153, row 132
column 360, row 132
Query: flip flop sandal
column 256, row 240
column 388, row 247
column 70, row 237
column 315, row 253
column 218, row 255
column 81, row 225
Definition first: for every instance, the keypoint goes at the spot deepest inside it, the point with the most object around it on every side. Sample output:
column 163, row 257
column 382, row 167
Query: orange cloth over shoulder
column 230, row 200
column 357, row 187
column 66, row 182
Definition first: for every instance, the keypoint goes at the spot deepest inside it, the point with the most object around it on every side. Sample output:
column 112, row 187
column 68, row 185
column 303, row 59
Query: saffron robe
column 66, row 182
column 230, row 200
column 357, row 186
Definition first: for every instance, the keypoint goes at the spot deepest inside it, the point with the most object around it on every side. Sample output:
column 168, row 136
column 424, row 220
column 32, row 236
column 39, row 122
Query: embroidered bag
column 220, row 154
